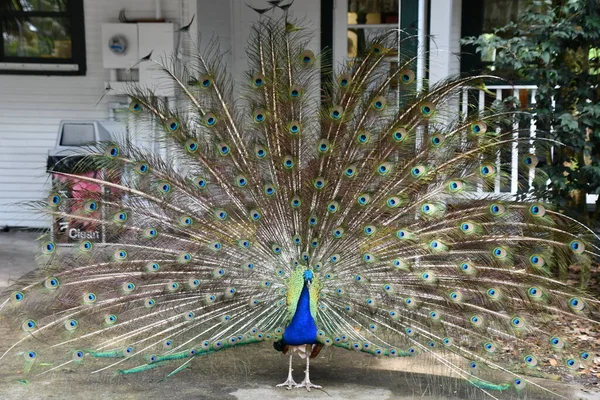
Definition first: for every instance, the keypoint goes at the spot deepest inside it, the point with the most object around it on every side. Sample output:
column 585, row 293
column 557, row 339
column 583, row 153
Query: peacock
column 355, row 211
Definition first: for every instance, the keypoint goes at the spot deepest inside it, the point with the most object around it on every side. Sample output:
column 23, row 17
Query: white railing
column 526, row 94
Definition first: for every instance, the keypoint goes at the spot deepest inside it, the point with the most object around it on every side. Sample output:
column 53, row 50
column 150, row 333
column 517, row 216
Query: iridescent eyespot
column 220, row 214
column 48, row 247
column 363, row 199
column 258, row 80
column 288, row 162
column 17, row 297
column 319, row 183
column 223, row 148
column 294, row 128
column 135, row 107
column 142, row 168
column 307, row 57
column 427, row 109
column 54, row 200
column 517, row 322
column 487, row 170
column 260, row 151
column 323, row 145
column 407, row 76
column 428, row 208
column 172, row 125
column 71, row 324
column 379, row 103
column 350, row 172
column 377, row 49
column 530, row 360
column 384, row 168
column 152, row 267
column 164, row 187
column 128, row 287
column 269, row 189
column 576, row 304
column 205, row 81
column 336, row 113
column 537, row 210
column 120, row 216
column 51, row 283
column 363, row 138
column 333, row 206
column 296, row 202
column 497, row 209
column 537, row 260
column 29, row 325
column 112, row 151
column 295, row 92
column 417, row 171
column 89, row 298
column 30, row 355
column 259, row 115
column 276, row 249
column 530, row 160
column 120, row 255
column 191, row 145
column 209, row 119
column 478, row 128
column 110, row 319
column 577, row 247
column 519, row 383
column 344, row 81
column 338, row 232
column 184, row 258
column 557, row 343
column 399, row 135
column 255, row 215
column 78, row 355
column 499, row 252
column 370, row 230
column 437, row 140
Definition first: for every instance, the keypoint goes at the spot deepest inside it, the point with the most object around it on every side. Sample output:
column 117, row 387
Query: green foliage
column 556, row 45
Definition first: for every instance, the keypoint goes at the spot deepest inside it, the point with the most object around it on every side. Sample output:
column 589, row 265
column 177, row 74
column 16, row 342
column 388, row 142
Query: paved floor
column 243, row 373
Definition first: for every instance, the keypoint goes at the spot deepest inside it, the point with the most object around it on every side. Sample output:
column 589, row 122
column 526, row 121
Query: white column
column 444, row 43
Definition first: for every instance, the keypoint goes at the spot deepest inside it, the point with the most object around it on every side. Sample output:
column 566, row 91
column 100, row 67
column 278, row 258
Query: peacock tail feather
column 371, row 188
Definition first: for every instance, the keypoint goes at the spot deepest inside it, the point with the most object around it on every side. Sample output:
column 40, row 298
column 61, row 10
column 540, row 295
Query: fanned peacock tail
column 369, row 186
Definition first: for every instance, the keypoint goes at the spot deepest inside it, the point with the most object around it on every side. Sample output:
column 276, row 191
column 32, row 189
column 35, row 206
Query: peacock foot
column 290, row 383
column 307, row 384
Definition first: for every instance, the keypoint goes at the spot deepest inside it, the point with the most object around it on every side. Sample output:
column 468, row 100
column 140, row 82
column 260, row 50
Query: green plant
column 555, row 44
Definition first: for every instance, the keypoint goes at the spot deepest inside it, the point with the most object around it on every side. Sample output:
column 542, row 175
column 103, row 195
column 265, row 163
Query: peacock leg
column 306, row 382
column 290, row 380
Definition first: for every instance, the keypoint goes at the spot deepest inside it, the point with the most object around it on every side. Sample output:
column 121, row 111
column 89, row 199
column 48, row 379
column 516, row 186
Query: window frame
column 49, row 66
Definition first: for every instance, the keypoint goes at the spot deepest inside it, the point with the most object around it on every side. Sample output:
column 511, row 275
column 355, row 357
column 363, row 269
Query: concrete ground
column 242, row 373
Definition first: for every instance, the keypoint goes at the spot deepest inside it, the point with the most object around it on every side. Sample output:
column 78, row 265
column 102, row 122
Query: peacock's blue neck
column 302, row 329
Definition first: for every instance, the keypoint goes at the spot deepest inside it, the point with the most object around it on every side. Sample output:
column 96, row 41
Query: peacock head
column 308, row 276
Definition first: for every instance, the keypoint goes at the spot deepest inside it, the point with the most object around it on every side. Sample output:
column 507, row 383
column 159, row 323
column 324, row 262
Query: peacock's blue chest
column 302, row 329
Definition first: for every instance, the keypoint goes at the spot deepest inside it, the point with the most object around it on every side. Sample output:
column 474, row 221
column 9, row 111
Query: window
column 367, row 18
column 481, row 17
column 42, row 37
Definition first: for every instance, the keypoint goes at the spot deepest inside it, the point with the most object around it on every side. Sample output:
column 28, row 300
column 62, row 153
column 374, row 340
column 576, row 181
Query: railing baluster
column 514, row 170
column 532, row 136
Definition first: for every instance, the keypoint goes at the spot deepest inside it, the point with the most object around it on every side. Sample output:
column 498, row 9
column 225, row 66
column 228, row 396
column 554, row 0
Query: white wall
column 32, row 106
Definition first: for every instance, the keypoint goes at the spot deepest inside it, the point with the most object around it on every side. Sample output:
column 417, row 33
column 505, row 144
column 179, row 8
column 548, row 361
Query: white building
column 33, row 104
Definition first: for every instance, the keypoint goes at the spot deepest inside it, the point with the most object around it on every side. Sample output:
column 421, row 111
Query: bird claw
column 290, row 383
column 307, row 384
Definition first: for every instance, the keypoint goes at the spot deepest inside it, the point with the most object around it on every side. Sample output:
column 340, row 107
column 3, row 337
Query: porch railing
column 526, row 95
